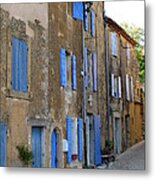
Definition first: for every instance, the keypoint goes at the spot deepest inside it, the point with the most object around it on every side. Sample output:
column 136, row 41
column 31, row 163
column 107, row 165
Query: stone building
column 125, row 120
column 52, row 81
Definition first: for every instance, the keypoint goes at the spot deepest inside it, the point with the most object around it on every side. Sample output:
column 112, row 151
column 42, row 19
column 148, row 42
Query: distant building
column 124, row 88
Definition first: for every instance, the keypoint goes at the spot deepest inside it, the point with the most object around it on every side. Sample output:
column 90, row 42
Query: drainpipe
column 107, row 74
column 84, row 93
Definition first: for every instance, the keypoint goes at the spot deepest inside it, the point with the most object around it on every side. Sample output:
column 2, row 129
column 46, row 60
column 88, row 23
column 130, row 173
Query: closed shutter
column 93, row 23
column 2, row 145
column 114, row 43
column 97, row 140
column 73, row 72
column 85, row 18
column 85, row 67
column 80, row 144
column 23, row 66
column 127, row 87
column 15, row 65
column 119, row 87
column 74, row 137
column 132, row 89
column 77, row 10
column 19, row 65
column 69, row 138
column 94, row 63
column 112, row 84
column 63, row 73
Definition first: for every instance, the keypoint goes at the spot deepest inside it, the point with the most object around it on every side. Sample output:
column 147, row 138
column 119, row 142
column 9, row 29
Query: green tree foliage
column 137, row 34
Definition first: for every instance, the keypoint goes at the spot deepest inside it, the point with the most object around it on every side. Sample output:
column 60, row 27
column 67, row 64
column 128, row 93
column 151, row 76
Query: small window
column 114, row 50
column 67, row 69
column 115, row 86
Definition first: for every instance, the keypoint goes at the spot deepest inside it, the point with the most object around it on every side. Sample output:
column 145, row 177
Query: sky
column 131, row 11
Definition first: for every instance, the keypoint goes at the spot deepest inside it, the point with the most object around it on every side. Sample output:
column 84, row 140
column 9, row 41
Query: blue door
column 97, row 140
column 36, row 147
column 54, row 149
column 2, row 144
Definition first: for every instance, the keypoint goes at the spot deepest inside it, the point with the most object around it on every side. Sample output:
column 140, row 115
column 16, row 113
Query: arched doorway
column 54, row 149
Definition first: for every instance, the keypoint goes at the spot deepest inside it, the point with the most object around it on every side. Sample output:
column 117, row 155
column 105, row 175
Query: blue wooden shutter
column 93, row 23
column 85, row 18
column 63, row 73
column 77, row 10
column 2, row 144
column 15, row 64
column 97, row 141
column 73, row 72
column 36, row 147
column 85, row 67
column 53, row 149
column 23, row 65
column 94, row 64
column 69, row 138
column 19, row 65
column 80, row 144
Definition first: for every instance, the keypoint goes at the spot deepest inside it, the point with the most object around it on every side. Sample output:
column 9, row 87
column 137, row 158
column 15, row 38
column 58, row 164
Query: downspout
column 84, row 92
column 107, row 75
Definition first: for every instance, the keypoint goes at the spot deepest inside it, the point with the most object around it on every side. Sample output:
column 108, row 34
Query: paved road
column 132, row 159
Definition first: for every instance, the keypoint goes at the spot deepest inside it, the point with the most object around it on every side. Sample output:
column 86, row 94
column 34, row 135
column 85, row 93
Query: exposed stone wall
column 16, row 108
column 64, row 32
column 120, row 66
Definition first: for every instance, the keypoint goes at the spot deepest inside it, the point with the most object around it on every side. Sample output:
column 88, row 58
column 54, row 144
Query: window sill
column 19, row 95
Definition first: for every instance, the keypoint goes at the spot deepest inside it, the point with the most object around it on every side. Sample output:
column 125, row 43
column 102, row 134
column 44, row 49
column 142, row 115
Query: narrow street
column 132, row 159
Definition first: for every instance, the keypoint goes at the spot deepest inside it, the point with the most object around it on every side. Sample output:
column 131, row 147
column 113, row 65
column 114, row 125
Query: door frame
column 127, row 128
column 116, row 115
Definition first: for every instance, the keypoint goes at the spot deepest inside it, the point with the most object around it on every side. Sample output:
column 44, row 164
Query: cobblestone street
column 132, row 159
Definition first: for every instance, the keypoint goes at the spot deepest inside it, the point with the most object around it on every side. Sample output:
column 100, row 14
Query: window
column 92, row 71
column 116, row 86
column 67, row 69
column 74, row 136
column 94, row 67
column 19, row 65
column 114, row 44
column 128, row 52
column 129, row 88
column 77, row 10
column 73, row 72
